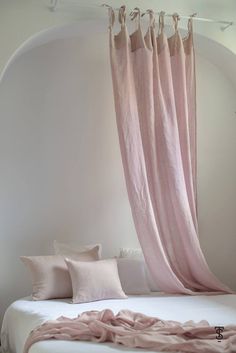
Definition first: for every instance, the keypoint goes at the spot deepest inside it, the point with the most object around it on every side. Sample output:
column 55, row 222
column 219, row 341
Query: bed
column 24, row 315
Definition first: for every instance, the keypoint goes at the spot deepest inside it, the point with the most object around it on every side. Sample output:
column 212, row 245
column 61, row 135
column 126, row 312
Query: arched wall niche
column 210, row 49
column 61, row 172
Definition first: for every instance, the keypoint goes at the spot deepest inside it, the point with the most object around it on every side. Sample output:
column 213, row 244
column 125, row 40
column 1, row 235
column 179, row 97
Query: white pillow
column 136, row 253
column 73, row 249
column 132, row 273
column 131, row 252
column 96, row 280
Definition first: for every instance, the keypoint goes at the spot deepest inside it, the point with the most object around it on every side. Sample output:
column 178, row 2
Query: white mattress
column 24, row 315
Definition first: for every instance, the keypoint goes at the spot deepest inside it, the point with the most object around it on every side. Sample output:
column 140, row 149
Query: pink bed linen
column 136, row 330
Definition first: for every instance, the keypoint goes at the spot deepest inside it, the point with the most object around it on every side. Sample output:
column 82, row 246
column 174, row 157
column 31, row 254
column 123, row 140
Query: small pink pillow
column 95, row 280
column 69, row 249
column 50, row 275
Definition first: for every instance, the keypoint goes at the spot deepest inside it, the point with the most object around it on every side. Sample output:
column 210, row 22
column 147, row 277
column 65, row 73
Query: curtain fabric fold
column 154, row 91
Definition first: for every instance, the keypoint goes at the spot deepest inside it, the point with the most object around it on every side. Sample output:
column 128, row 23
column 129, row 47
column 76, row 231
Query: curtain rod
column 225, row 24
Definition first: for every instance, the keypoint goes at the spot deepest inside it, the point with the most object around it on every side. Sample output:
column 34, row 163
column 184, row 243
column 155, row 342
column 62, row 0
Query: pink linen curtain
column 154, row 91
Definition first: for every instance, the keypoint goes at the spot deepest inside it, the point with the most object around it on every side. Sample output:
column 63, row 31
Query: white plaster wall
column 20, row 19
column 217, row 169
column 61, row 173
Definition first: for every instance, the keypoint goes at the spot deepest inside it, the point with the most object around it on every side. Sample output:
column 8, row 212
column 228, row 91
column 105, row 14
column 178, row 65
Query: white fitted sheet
column 24, row 315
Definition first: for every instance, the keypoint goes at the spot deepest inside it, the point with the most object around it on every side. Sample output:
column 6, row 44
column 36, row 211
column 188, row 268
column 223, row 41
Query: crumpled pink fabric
column 136, row 330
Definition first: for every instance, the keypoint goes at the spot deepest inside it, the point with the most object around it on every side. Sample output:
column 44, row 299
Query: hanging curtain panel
column 154, row 91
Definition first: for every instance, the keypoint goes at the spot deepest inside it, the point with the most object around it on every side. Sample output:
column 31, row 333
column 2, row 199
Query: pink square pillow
column 95, row 280
column 69, row 249
column 50, row 276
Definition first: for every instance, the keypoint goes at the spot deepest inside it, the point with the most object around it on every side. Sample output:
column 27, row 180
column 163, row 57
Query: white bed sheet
column 24, row 315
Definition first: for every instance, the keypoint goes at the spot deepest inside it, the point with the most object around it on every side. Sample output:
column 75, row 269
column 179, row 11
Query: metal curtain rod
column 225, row 24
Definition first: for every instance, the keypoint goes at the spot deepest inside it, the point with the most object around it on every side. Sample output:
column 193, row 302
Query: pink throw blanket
column 136, row 330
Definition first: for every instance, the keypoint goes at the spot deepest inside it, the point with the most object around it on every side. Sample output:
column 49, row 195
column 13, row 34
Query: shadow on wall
column 61, row 172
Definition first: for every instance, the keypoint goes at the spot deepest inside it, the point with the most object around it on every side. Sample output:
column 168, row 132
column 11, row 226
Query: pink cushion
column 50, row 276
column 68, row 249
column 95, row 280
